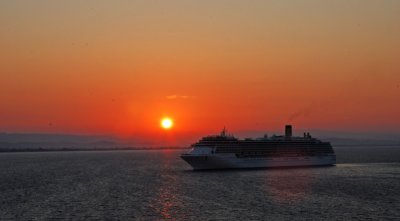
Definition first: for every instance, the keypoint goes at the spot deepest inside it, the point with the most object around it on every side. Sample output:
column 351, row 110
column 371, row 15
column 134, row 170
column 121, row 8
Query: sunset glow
column 101, row 67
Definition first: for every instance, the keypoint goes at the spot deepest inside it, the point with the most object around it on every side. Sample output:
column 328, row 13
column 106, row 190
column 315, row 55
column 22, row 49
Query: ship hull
column 230, row 161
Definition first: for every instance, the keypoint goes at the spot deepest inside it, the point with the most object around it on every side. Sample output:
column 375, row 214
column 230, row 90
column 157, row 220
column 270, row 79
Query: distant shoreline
column 12, row 150
column 6, row 150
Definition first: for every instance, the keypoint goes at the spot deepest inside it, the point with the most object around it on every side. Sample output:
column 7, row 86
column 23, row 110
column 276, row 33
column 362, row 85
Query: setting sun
column 166, row 123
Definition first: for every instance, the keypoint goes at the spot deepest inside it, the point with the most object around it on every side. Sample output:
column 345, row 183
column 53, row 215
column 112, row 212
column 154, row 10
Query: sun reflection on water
column 167, row 202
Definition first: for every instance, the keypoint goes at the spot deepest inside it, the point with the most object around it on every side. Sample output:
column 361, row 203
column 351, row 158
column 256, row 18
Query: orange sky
column 118, row 67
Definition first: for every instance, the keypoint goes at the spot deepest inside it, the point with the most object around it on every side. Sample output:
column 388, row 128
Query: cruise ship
column 224, row 151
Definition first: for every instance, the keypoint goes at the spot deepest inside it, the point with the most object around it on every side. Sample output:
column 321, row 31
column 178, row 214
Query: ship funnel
column 288, row 130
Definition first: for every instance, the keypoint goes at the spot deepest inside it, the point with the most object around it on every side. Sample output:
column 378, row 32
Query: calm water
column 154, row 185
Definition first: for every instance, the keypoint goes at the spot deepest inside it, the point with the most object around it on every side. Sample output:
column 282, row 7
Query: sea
column 158, row 185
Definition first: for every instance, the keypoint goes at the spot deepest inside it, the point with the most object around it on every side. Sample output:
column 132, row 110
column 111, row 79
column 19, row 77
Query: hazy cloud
column 171, row 97
column 174, row 96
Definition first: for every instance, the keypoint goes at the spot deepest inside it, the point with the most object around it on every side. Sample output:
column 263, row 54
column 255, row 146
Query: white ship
column 225, row 151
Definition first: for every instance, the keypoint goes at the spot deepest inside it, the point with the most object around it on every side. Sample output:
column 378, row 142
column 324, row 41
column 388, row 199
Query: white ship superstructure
column 225, row 151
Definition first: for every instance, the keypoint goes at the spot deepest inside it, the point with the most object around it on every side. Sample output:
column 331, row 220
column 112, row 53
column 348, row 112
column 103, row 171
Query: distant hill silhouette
column 10, row 142
column 54, row 141
column 38, row 137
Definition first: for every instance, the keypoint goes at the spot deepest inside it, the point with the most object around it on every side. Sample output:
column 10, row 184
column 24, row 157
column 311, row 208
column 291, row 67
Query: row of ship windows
column 272, row 144
column 279, row 155
column 272, row 148
column 276, row 152
column 261, row 141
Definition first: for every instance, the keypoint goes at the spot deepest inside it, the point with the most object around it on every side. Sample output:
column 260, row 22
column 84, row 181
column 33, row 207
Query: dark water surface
column 154, row 185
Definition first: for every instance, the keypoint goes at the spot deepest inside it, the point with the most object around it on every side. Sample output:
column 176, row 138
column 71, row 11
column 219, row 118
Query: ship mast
column 223, row 132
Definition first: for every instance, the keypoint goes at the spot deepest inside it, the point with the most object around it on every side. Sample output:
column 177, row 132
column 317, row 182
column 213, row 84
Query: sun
column 167, row 123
